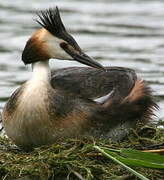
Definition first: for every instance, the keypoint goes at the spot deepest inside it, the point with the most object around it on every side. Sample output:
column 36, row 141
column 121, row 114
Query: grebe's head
column 53, row 41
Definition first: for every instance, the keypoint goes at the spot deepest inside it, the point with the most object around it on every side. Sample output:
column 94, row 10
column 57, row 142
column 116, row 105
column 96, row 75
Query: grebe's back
column 94, row 83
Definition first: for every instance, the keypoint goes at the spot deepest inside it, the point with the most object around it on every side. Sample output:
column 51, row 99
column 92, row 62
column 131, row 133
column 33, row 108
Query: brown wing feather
column 93, row 83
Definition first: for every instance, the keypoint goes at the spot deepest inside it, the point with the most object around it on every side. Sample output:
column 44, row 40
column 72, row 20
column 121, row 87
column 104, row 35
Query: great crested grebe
column 75, row 101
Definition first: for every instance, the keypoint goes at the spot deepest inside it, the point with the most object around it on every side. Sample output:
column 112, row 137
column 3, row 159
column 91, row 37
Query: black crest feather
column 51, row 21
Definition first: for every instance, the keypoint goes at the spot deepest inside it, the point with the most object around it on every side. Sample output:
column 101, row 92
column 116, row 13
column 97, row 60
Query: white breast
column 29, row 122
column 36, row 88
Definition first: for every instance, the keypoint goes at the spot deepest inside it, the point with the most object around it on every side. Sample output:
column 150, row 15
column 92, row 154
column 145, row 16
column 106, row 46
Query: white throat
column 36, row 88
column 41, row 71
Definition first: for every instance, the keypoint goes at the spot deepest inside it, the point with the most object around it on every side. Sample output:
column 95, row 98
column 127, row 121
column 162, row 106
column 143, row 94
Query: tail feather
column 140, row 102
column 119, row 117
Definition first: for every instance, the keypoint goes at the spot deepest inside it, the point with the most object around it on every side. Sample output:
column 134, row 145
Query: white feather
column 103, row 98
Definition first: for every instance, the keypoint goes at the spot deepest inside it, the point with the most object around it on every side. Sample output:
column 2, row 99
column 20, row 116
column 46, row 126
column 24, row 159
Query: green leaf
column 120, row 163
column 136, row 158
column 135, row 162
column 146, row 156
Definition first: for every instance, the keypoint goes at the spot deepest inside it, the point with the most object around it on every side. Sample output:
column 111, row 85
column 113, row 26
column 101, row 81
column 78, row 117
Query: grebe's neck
column 41, row 71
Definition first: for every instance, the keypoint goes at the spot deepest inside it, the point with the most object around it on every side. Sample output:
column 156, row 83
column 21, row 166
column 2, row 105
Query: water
column 114, row 32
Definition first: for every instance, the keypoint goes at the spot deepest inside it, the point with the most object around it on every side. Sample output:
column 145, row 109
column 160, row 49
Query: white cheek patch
column 54, row 49
column 103, row 98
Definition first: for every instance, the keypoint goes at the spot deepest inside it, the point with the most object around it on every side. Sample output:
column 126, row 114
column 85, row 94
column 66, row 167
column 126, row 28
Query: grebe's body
column 71, row 102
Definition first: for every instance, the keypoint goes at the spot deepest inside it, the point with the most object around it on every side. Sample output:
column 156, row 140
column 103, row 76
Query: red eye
column 63, row 45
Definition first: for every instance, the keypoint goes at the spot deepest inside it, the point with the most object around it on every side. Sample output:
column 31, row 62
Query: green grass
column 77, row 159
